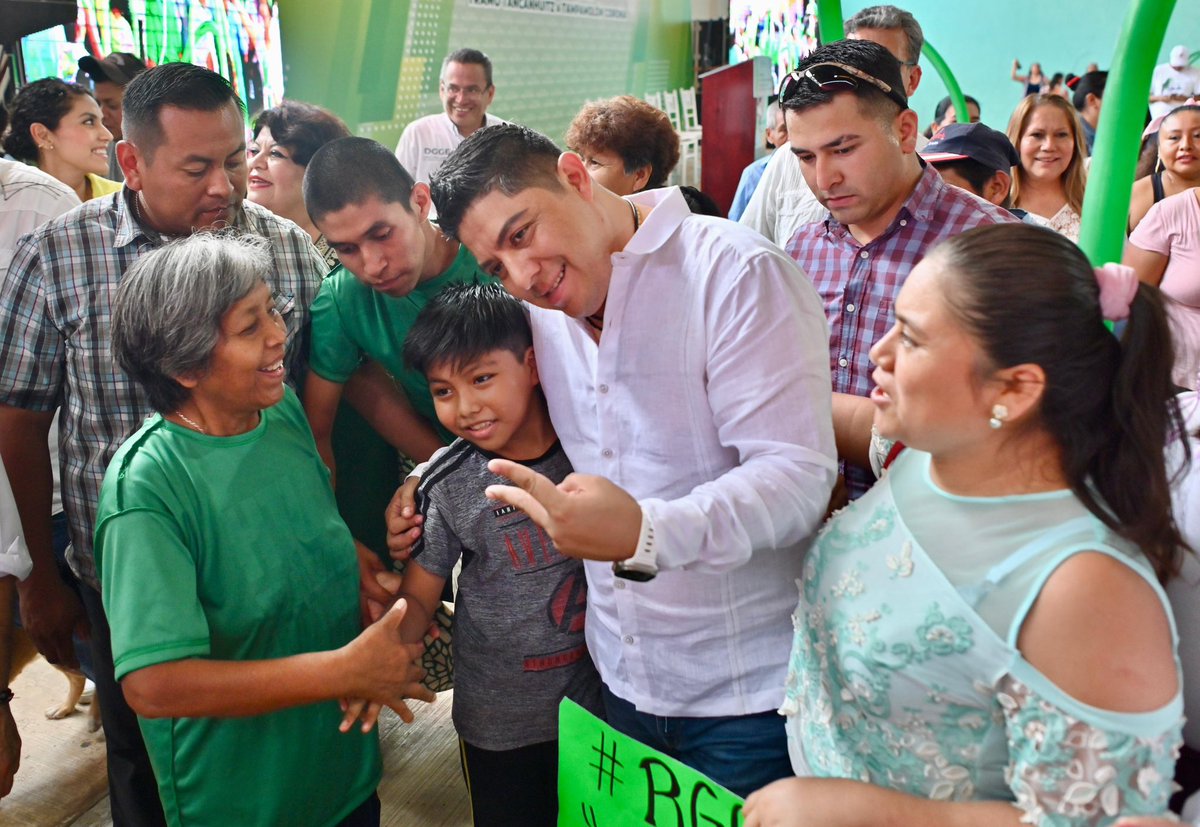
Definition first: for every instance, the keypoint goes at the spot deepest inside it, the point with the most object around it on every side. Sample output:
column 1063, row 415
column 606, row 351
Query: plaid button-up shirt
column 55, row 337
column 858, row 282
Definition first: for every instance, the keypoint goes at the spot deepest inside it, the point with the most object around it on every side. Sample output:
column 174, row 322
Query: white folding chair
column 671, row 107
column 690, row 116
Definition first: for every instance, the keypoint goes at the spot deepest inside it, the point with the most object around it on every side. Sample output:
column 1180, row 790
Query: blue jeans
column 740, row 752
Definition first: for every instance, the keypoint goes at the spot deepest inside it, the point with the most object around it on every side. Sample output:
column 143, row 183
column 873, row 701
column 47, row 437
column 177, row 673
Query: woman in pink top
column 1164, row 249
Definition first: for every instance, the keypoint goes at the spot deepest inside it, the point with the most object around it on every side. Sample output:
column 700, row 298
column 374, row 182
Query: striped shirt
column 859, row 282
column 55, row 317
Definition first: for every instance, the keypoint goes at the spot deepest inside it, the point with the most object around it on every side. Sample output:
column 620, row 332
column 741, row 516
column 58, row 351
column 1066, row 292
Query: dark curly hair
column 301, row 128
column 640, row 134
column 44, row 101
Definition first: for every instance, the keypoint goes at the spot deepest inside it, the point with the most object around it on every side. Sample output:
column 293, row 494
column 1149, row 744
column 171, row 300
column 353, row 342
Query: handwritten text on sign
column 606, row 779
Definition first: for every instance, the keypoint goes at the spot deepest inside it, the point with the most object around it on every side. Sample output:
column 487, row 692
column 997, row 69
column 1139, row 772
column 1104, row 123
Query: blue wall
column 980, row 39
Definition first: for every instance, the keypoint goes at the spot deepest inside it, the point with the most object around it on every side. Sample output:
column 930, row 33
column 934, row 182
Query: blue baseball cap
column 972, row 141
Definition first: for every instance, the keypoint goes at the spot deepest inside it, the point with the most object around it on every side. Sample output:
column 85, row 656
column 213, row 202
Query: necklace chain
column 596, row 320
column 190, row 421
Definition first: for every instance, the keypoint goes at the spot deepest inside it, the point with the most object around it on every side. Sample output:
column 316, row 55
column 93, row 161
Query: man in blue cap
column 974, row 157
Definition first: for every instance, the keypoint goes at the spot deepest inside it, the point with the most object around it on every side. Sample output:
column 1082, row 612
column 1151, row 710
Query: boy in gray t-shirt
column 518, row 623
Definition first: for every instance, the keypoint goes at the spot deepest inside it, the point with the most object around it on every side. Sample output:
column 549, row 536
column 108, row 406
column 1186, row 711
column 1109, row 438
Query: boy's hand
column 354, row 709
column 585, row 516
column 382, row 669
column 391, row 582
column 403, row 521
column 370, row 590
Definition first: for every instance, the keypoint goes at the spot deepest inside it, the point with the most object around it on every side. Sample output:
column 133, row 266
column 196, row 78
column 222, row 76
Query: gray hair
column 890, row 17
column 168, row 309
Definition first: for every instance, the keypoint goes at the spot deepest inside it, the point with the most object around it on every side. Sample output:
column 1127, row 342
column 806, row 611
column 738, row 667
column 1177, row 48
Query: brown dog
column 24, row 653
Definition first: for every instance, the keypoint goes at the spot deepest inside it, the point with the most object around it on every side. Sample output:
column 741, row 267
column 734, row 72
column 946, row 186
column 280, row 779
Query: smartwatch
column 643, row 565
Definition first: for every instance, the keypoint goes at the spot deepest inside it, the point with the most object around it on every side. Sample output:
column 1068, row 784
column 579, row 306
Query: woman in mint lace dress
column 983, row 639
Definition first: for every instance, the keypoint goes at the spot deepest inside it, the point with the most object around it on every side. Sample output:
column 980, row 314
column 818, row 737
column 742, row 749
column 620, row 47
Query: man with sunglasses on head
column 782, row 202
column 466, row 91
column 855, row 138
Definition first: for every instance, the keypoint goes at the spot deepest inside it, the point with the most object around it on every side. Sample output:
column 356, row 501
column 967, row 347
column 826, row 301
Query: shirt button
column 842, row 362
column 603, row 389
column 849, row 308
column 618, row 584
column 606, row 453
column 903, row 222
column 628, row 639
column 864, row 254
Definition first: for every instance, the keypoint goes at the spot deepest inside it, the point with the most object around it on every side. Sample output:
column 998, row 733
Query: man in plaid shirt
column 850, row 127
column 184, row 157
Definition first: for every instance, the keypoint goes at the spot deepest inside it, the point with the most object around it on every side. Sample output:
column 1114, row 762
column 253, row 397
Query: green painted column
column 952, row 87
column 1106, row 202
column 830, row 24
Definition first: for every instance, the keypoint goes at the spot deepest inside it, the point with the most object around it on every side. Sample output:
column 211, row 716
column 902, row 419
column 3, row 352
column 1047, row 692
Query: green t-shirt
column 350, row 321
column 231, row 548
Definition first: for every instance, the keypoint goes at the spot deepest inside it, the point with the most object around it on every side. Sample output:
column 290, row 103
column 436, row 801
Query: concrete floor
column 62, row 780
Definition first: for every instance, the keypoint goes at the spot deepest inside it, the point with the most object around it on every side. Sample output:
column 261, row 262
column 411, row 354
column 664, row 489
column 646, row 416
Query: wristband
column 643, row 565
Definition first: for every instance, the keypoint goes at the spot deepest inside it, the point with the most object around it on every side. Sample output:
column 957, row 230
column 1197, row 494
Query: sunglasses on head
column 836, row 77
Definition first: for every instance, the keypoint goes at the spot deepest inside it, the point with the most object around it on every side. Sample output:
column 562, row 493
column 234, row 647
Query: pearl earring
column 999, row 414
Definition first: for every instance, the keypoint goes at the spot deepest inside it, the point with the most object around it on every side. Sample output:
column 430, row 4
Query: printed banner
column 606, row 779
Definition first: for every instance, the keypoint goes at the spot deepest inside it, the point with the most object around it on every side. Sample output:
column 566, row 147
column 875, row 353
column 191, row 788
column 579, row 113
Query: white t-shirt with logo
column 428, row 141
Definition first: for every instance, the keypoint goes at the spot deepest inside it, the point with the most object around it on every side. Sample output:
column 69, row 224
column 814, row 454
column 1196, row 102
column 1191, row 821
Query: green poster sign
column 606, row 779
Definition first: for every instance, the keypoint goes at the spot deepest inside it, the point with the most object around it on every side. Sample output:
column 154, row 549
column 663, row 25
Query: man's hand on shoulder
column 403, row 521
column 586, row 516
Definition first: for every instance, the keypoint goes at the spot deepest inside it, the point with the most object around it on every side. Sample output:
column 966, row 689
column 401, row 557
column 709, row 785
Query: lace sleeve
column 1066, row 772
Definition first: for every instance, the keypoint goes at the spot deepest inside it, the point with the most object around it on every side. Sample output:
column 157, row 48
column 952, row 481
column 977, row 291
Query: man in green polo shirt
column 393, row 261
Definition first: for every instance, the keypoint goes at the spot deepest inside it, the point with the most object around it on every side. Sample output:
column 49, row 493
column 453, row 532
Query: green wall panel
column 376, row 62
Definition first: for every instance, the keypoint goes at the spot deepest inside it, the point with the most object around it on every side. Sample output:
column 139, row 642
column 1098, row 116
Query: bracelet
column 6, row 695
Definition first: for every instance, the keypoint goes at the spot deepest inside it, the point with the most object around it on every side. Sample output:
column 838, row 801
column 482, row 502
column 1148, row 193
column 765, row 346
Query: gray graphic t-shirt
column 518, row 616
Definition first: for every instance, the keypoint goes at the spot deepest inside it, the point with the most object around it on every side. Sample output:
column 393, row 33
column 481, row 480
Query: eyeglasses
column 466, row 91
column 835, row 77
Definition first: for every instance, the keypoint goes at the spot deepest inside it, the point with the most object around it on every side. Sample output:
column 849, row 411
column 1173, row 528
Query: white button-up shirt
column 14, row 554
column 708, row 399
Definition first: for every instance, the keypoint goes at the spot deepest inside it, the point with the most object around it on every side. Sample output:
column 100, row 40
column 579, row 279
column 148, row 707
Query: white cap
column 1180, row 57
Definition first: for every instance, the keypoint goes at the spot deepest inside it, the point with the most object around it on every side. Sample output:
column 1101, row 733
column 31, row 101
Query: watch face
column 636, row 574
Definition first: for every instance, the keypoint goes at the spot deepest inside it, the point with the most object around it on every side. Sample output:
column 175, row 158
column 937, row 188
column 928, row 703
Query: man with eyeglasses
column 782, row 202
column 855, row 138
column 466, row 91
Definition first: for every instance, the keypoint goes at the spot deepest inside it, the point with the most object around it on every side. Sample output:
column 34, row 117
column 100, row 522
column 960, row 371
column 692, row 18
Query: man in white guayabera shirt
column 466, row 90
column 684, row 359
